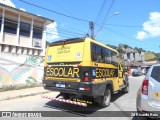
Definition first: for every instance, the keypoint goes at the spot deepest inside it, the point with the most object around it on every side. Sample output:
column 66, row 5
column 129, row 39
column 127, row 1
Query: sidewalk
column 22, row 93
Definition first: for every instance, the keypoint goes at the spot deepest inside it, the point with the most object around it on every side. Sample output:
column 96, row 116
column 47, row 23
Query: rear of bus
column 65, row 69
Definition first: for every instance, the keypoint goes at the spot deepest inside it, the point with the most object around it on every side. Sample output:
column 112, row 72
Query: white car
column 148, row 96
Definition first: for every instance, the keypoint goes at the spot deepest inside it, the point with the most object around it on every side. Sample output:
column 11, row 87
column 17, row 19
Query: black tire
column 105, row 100
column 126, row 88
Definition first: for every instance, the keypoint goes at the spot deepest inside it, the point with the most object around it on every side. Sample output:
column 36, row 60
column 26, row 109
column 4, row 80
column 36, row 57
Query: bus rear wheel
column 105, row 100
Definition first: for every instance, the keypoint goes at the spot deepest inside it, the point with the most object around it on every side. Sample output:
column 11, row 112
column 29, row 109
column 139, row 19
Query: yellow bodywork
column 80, row 52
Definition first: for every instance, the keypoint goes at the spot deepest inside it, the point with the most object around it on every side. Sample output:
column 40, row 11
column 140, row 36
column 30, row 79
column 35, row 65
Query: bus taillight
column 46, row 65
column 86, row 76
column 86, row 79
column 79, row 65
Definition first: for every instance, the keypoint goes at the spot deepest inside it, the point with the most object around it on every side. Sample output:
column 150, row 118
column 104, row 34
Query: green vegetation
column 149, row 55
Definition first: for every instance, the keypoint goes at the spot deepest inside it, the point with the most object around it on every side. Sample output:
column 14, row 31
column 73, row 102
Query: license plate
column 60, row 85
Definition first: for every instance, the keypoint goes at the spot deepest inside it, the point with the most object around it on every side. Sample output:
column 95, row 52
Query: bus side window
column 114, row 58
column 102, row 55
column 107, row 56
column 98, row 54
column 94, row 58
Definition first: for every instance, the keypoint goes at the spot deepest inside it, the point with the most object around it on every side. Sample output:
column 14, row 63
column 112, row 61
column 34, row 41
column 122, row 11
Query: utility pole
column 91, row 25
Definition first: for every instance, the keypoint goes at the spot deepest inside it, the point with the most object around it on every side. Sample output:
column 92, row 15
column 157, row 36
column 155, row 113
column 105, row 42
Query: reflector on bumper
column 65, row 101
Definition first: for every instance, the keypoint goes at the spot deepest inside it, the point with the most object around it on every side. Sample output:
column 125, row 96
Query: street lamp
column 116, row 13
column 101, row 28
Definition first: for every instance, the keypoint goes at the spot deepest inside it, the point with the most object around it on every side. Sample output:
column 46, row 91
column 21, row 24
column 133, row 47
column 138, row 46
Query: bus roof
column 80, row 39
column 64, row 41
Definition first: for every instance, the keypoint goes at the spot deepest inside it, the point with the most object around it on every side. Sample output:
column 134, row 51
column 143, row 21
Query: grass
column 19, row 87
column 149, row 55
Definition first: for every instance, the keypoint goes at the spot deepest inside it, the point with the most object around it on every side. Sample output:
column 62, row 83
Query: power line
column 106, row 15
column 132, row 26
column 115, row 25
column 60, row 6
column 60, row 30
column 59, row 35
column 106, row 18
column 70, row 28
column 68, row 31
column 124, row 35
column 65, row 31
column 64, row 34
column 54, row 11
column 103, row 6
column 100, row 11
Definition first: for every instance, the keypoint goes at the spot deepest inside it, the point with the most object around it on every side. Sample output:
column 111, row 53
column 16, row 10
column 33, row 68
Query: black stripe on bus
column 67, row 41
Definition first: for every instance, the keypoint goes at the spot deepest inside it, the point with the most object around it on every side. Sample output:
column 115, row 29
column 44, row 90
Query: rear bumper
column 77, row 88
column 144, row 105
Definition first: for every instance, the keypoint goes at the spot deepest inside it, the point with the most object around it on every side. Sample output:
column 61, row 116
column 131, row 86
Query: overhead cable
column 55, row 11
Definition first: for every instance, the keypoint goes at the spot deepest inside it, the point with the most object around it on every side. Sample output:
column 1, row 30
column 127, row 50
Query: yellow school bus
column 82, row 66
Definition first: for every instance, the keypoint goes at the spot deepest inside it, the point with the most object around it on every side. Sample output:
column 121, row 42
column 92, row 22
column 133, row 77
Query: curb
column 24, row 95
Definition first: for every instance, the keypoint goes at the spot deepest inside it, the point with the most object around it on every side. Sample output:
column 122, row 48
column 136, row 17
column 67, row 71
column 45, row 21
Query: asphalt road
column 120, row 102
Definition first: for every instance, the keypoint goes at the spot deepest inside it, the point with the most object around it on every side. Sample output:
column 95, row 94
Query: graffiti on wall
column 28, row 70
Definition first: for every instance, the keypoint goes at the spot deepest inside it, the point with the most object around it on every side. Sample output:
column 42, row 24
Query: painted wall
column 18, row 69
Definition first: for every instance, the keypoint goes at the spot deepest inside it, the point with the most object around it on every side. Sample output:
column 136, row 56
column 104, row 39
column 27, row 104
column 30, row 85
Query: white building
column 134, row 55
column 22, row 32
